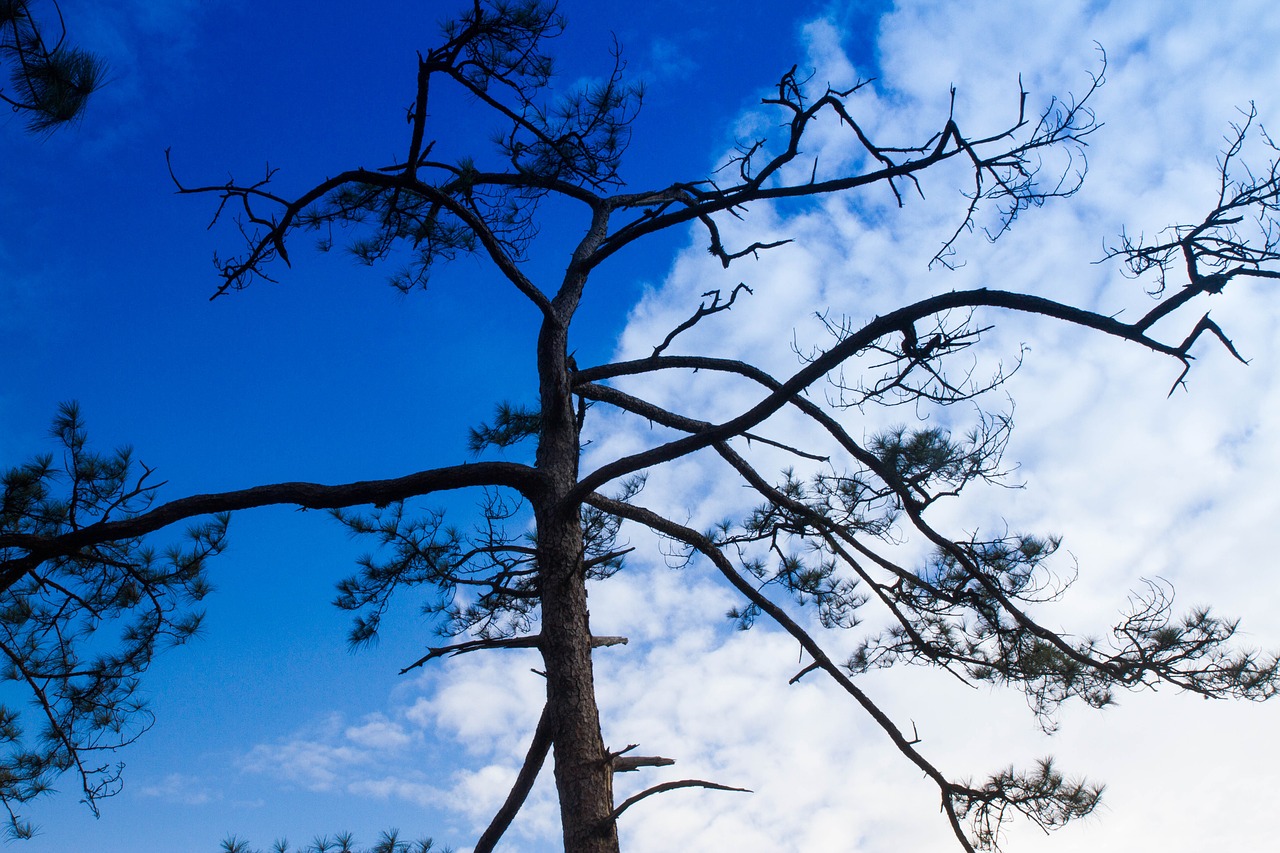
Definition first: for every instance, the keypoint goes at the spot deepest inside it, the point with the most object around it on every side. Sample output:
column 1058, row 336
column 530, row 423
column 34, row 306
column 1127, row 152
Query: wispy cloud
column 319, row 758
column 180, row 788
column 667, row 61
column 378, row 733
column 485, row 711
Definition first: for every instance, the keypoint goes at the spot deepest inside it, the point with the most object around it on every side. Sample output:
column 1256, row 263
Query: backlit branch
column 1006, row 169
column 1048, row 799
column 37, row 548
column 673, row 786
column 704, row 310
column 510, row 643
column 855, row 343
column 536, row 756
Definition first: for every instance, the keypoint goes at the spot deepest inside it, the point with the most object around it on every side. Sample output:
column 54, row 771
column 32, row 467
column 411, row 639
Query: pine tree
column 821, row 535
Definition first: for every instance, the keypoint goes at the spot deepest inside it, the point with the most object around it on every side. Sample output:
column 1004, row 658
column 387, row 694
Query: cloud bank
column 1140, row 484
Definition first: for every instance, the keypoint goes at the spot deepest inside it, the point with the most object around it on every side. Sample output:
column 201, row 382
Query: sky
column 268, row 727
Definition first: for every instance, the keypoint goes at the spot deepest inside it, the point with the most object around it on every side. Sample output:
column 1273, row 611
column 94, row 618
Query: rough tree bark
column 582, row 768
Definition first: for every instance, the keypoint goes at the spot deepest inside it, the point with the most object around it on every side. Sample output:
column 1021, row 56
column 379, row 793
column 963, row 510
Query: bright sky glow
column 268, row 727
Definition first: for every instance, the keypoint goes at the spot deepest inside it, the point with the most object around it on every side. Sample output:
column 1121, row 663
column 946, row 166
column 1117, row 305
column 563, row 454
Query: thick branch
column 306, row 495
column 622, row 762
column 533, row 761
column 812, row 372
column 631, row 763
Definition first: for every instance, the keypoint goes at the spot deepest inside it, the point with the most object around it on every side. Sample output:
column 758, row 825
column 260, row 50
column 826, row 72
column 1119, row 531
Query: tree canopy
column 842, row 534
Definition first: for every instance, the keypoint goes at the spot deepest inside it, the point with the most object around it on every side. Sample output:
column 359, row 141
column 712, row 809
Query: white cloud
column 486, row 703
column 313, row 763
column 378, row 732
column 479, row 793
column 180, row 788
column 485, row 708
column 412, row 791
column 1141, row 485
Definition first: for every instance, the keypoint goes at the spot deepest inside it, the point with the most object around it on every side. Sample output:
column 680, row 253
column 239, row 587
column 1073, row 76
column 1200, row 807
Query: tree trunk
column 582, row 769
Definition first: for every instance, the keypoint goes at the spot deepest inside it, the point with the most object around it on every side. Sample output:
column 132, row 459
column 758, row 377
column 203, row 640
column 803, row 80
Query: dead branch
column 704, row 310
column 531, row 642
column 630, row 763
column 671, row 786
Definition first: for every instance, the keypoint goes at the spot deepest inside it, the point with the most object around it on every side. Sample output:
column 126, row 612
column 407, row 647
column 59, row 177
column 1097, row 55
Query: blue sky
column 268, row 727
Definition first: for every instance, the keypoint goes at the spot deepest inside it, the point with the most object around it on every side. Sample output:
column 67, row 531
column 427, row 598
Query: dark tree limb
column 39, row 548
column 264, row 247
column 1132, row 667
column 571, row 149
column 532, row 642
column 802, row 673
column 672, row 786
column 533, row 761
column 51, row 80
column 656, row 414
column 1004, row 169
column 708, row 549
column 1047, row 798
column 704, row 310
column 473, row 646
column 832, row 358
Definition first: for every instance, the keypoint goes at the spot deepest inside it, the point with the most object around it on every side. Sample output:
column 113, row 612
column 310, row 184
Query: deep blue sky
column 329, row 375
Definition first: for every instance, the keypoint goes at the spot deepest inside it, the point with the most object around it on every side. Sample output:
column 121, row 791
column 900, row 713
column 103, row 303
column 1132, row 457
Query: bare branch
column 704, row 310
column 631, row 763
column 304, row 495
column 505, row 643
column 790, row 390
column 672, row 786
column 533, row 761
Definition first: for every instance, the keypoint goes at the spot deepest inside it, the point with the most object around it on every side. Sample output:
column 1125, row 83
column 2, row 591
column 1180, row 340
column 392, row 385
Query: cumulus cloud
column 1142, row 485
column 482, row 702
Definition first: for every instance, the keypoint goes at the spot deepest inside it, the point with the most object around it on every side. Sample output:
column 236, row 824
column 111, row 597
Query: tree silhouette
column 824, row 531
column 49, row 83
